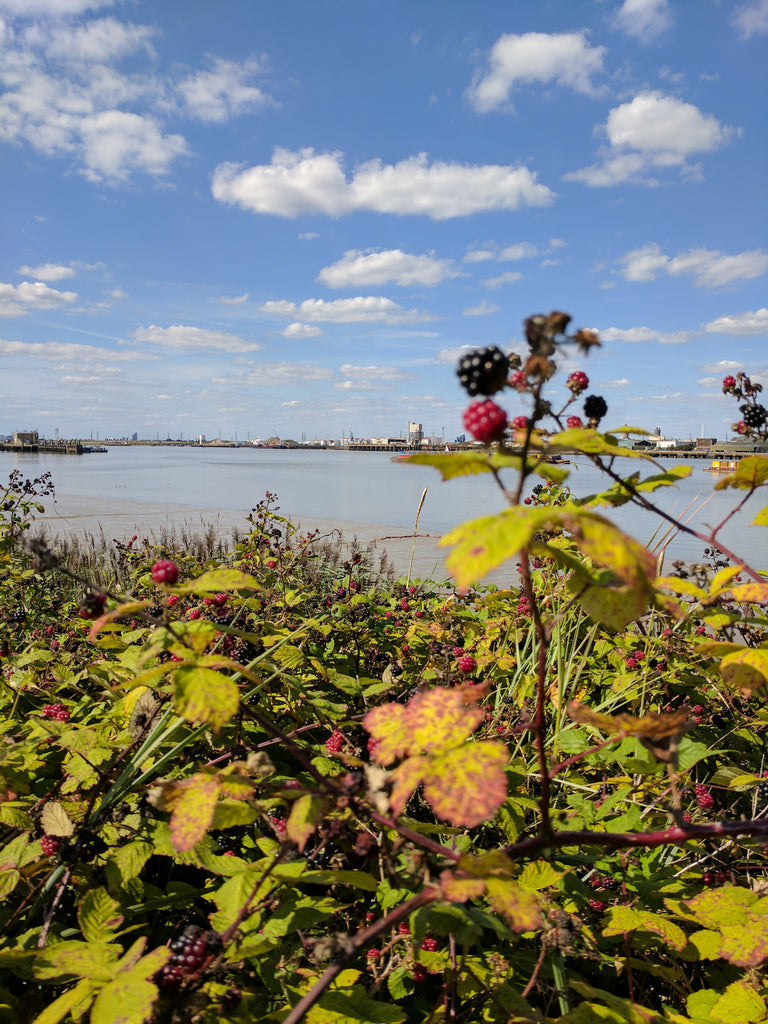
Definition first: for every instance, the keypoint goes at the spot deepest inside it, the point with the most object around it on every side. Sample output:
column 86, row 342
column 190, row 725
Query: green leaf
column 623, row 919
column 454, row 464
column 346, row 1002
column 94, row 960
column 81, row 995
column 761, row 519
column 193, row 811
column 99, row 916
column 739, row 1004
column 130, row 997
column 306, row 814
column 583, row 439
column 219, row 581
column 481, row 545
column 204, row 695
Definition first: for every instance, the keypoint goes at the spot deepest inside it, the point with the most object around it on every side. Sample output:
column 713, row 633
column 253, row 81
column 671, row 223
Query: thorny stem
column 357, row 942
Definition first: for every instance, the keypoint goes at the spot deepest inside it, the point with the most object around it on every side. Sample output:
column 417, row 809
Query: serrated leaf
column 467, row 786
column 388, row 725
column 204, row 695
column 130, row 997
column 290, row 657
column 306, row 814
column 72, row 959
column 346, row 1003
column 99, row 916
column 746, row 944
column 584, row 439
column 520, row 909
column 193, row 810
column 706, row 943
column 739, row 1004
column 746, row 669
column 623, row 919
column 481, row 545
column 219, row 581
column 439, row 719
column 55, row 820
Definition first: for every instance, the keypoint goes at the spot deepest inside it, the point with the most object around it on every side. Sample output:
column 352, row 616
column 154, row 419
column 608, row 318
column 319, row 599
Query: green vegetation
column 274, row 785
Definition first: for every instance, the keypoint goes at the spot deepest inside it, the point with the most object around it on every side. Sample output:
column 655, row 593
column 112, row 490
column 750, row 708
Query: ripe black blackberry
column 595, row 407
column 483, row 371
column 762, row 791
column 754, row 415
column 189, row 953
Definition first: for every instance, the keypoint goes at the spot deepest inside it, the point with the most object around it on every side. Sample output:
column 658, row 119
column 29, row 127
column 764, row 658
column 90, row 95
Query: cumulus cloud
column 484, row 309
column 234, row 300
column 379, row 374
column 101, row 41
column 709, row 268
column 65, row 353
column 479, row 255
column 20, row 299
column 369, row 309
column 751, row 19
column 195, row 339
column 360, row 269
column 308, row 182
column 724, row 366
column 224, row 91
column 510, row 277
column 299, row 331
column 643, row 19
column 273, row 374
column 47, row 272
column 564, row 58
column 645, row 334
column 740, row 324
column 651, row 134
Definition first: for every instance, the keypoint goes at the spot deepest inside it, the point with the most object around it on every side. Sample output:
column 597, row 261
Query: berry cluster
column 483, row 371
column 190, row 952
column 577, row 382
column 595, row 408
column 55, row 711
column 91, row 606
column 165, row 571
column 754, row 415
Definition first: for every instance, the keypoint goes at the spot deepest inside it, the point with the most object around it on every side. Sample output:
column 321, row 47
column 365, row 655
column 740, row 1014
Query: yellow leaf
column 306, row 814
column 747, row 669
column 440, row 719
column 204, row 695
column 467, row 786
column 389, row 726
column 756, row 593
column 652, row 725
column 193, row 811
column 519, row 908
column 406, row 777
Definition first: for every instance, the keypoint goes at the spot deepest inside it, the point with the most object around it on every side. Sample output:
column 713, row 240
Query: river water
column 365, row 495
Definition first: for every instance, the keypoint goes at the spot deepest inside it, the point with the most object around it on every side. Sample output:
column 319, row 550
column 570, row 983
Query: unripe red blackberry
column 485, row 421
column 484, row 371
column 574, row 422
column 466, row 663
column 55, row 711
column 419, row 973
column 49, row 845
column 429, row 944
column 335, row 742
column 729, row 383
column 519, row 423
column 577, row 382
column 165, row 571
column 595, row 407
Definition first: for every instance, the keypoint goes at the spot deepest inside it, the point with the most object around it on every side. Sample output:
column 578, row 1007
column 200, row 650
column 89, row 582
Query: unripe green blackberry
column 754, row 415
column 483, row 371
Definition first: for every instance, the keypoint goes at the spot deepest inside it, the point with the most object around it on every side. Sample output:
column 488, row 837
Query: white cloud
column 710, row 268
column 272, row 374
column 306, row 182
column 752, row 19
column 23, row 298
column 740, row 324
column 69, row 353
column 562, row 58
column 510, row 277
column 99, row 41
column 117, row 293
column 645, row 334
column 479, row 256
column 643, row 18
column 621, row 382
column 358, row 269
column 368, row 309
column 235, row 300
column 57, row 8
column 652, row 133
column 450, row 356
column 377, row 374
column 223, row 92
column 307, row 236
column 297, row 330
column 484, row 309
column 195, row 339
column 47, row 272
column 116, row 142
column 519, row 251
column 724, row 366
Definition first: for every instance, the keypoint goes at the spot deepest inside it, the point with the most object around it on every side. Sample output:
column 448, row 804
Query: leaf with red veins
column 406, row 778
column 389, row 726
column 467, row 786
column 193, row 811
column 440, row 719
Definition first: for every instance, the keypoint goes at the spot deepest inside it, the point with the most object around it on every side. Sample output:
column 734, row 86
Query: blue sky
column 291, row 217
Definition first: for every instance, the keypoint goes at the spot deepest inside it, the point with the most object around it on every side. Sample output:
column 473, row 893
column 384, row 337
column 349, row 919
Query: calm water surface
column 364, row 494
